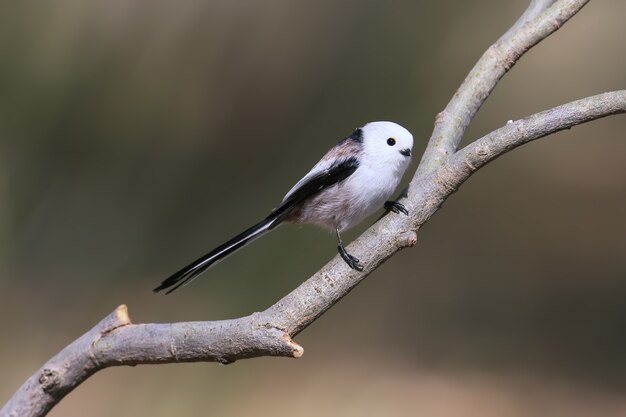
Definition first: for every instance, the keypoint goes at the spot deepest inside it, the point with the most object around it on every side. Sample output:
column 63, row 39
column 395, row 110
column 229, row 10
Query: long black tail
column 311, row 185
column 191, row 271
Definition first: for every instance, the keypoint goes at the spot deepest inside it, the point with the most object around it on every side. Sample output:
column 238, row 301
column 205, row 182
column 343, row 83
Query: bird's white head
column 388, row 143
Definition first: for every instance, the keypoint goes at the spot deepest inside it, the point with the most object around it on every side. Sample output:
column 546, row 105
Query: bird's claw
column 352, row 261
column 396, row 207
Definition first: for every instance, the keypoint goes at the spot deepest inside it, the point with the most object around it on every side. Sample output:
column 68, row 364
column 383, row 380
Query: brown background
column 136, row 135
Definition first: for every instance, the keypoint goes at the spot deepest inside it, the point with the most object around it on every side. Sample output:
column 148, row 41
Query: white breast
column 349, row 202
column 367, row 190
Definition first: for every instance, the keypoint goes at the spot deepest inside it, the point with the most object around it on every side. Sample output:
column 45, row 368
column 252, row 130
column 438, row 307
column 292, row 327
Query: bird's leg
column 352, row 261
column 396, row 207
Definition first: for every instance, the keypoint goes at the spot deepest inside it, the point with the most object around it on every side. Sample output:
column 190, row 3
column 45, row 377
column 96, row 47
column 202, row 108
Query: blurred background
column 137, row 135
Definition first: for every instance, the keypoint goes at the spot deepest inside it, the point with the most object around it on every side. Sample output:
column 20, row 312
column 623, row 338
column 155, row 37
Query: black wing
column 334, row 174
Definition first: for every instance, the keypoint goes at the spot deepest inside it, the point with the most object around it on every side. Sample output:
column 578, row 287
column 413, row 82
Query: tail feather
column 191, row 271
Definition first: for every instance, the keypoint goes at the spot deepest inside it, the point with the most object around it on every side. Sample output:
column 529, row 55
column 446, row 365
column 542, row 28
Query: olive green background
column 137, row 135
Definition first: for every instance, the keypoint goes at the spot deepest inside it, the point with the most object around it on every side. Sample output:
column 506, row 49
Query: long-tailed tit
column 353, row 180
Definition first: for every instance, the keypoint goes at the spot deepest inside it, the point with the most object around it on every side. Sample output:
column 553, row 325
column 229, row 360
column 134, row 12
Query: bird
column 353, row 180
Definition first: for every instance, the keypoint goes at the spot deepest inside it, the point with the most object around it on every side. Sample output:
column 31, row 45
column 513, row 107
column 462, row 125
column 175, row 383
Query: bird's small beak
column 406, row 152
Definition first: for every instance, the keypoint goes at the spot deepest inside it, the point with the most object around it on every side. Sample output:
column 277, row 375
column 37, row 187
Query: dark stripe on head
column 357, row 135
column 354, row 141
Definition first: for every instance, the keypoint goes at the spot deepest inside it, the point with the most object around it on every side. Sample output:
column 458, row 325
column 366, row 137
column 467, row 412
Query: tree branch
column 115, row 341
column 516, row 133
column 541, row 19
column 446, row 179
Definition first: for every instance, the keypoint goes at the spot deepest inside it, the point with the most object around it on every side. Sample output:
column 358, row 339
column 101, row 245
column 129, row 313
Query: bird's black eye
column 391, row 141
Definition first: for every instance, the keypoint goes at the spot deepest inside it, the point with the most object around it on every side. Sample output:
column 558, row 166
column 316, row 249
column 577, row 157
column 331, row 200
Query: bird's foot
column 352, row 261
column 396, row 207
